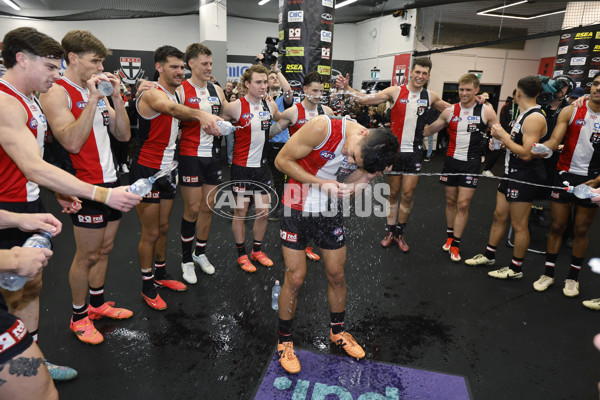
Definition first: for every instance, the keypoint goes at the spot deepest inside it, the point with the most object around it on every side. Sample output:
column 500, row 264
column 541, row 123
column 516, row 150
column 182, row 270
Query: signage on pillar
column 306, row 31
column 401, row 69
column 578, row 55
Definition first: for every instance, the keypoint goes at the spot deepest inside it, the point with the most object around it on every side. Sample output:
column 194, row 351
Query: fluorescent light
column 342, row 4
column 488, row 12
column 501, row 7
column 12, row 5
column 260, row 3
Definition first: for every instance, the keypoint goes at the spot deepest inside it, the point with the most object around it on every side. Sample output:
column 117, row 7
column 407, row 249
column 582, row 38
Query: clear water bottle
column 11, row 281
column 275, row 296
column 496, row 144
column 225, row 127
column 594, row 264
column 142, row 186
column 105, row 88
column 582, row 191
column 540, row 148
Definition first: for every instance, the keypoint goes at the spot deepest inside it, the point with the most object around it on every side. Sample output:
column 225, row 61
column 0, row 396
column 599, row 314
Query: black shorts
column 198, row 171
column 95, row 215
column 297, row 229
column 163, row 189
column 407, row 163
column 14, row 338
column 247, row 181
column 454, row 166
column 12, row 237
column 523, row 192
column 564, row 197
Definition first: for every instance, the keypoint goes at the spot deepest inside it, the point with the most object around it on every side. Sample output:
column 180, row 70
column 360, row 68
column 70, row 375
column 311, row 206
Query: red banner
column 401, row 69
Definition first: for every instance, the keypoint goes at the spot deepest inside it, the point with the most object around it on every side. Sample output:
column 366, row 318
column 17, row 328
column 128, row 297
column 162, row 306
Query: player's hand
column 39, row 222
column 29, row 261
column 145, row 85
column 498, row 132
column 208, row 122
column 92, row 85
column 337, row 190
column 580, row 101
column 116, row 84
column 342, row 82
column 121, row 199
column 69, row 204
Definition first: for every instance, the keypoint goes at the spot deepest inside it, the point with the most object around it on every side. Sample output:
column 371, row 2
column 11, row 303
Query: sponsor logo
column 294, row 68
column 295, row 16
column 189, row 179
column 194, row 100
column 263, row 115
column 325, row 53
column 580, row 122
column 456, row 119
column 557, row 73
column 403, row 101
column 327, row 3
column 513, row 193
column 294, row 33
column 575, row 72
column 301, row 121
column 443, row 178
column 584, row 35
column 90, row 219
column 323, row 69
column 565, row 36
column 281, row 35
column 592, row 73
column 563, row 50
column 294, row 51
column 81, row 104
column 326, row 36
column 288, row 236
column 560, row 60
column 12, row 336
column 338, row 231
column 578, row 60
column 327, row 155
column 295, row 84
column 327, row 17
column 596, row 47
column 474, row 119
column 595, row 59
column 213, row 100
column 581, row 47
column 247, row 116
column 33, row 124
column 555, row 195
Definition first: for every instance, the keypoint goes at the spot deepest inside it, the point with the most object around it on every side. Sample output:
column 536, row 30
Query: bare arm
column 438, row 124
column 328, row 110
column 119, row 120
column 437, row 102
column 284, row 122
column 490, row 116
column 560, row 129
column 30, row 222
column 286, row 89
column 534, row 128
column 387, row 94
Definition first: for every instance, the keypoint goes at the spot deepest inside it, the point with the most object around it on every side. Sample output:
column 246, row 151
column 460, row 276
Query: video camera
column 271, row 47
column 551, row 86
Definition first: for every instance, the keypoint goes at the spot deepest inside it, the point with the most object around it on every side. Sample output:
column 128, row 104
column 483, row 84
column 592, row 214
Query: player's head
column 313, row 87
column 421, row 69
column 468, row 87
column 199, row 60
column 595, row 89
column 529, row 87
column 254, row 80
column 85, row 52
column 168, row 61
column 379, row 149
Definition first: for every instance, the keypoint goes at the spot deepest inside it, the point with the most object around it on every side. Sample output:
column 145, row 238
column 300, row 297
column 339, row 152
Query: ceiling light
column 261, row 2
column 12, row 5
column 501, row 7
column 488, row 12
column 342, row 4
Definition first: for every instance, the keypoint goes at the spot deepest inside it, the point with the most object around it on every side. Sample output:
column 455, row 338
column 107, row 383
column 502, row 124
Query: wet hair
column 379, row 149
column 469, row 78
column 530, row 86
column 595, row 76
column 29, row 41
column 162, row 54
column 423, row 62
column 194, row 50
column 247, row 76
column 81, row 42
column 311, row 77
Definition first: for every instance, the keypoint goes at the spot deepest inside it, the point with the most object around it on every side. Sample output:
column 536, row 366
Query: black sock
column 455, row 242
column 200, row 247
column 490, row 252
column 399, row 229
column 450, row 232
column 188, row 230
column 337, row 321
column 392, row 229
column 576, row 264
column 241, row 249
column 80, row 313
column 516, row 264
column 160, row 270
column 96, row 296
column 285, row 330
column 550, row 264
column 256, row 247
column 148, row 284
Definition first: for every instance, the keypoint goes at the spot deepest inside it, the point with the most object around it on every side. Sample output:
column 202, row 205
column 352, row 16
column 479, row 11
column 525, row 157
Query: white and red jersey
column 407, row 118
column 326, row 162
column 194, row 141
column 465, row 130
column 14, row 187
column 252, row 134
column 94, row 163
column 581, row 153
column 156, row 139
column 304, row 115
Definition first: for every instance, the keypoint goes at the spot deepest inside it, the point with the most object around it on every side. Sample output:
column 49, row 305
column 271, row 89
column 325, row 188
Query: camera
column 551, row 86
column 268, row 53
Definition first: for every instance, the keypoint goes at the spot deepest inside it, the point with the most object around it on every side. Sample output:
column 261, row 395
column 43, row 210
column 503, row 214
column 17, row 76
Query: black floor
column 418, row 310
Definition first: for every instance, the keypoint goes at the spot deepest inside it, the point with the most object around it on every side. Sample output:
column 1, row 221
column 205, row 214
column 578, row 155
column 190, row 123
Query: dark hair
column 81, row 42
column 378, row 149
column 595, row 76
column 194, row 50
column 311, row 77
column 423, row 62
column 247, row 75
column 30, row 41
column 531, row 86
column 164, row 52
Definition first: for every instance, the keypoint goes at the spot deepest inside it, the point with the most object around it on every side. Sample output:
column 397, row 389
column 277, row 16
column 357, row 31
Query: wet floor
column 417, row 310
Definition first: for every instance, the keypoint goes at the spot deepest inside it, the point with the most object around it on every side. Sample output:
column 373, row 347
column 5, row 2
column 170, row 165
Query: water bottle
column 105, row 88
column 496, row 144
column 540, row 148
column 142, row 186
column 11, row 281
column 275, row 296
column 594, row 264
column 582, row 191
column 225, row 127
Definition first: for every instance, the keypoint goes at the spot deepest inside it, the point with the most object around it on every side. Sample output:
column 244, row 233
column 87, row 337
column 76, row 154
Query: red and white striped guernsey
column 326, row 162
column 304, row 115
column 155, row 144
column 94, row 163
column 14, row 187
column 194, row 141
column 465, row 130
column 407, row 116
column 252, row 134
column 581, row 153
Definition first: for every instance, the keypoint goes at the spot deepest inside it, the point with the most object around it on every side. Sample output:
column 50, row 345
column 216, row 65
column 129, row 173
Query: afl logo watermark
column 327, row 155
column 233, row 195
